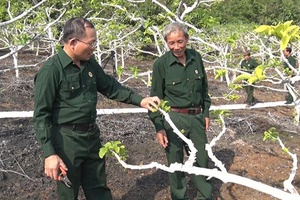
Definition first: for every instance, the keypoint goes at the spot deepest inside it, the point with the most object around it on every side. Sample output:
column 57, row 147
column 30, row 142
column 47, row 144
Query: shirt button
column 188, row 79
column 83, row 85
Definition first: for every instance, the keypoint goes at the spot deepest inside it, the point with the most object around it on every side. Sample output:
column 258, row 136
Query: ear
column 72, row 42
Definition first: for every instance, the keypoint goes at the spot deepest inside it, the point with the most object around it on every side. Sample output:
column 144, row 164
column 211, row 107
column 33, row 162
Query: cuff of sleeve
column 158, row 127
column 156, row 120
column 47, row 149
column 136, row 99
column 206, row 112
column 158, row 124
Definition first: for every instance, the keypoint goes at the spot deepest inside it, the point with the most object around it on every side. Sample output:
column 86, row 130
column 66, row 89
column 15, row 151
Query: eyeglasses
column 93, row 45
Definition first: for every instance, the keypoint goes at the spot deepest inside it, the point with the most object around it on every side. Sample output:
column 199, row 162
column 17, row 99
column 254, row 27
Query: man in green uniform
column 179, row 77
column 292, row 61
column 65, row 111
column 248, row 65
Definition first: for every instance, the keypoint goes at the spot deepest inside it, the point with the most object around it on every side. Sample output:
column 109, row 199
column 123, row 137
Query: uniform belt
column 80, row 127
column 190, row 111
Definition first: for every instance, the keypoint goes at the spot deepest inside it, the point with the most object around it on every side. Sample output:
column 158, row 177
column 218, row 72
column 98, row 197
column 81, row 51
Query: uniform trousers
column 249, row 90
column 80, row 152
column 194, row 129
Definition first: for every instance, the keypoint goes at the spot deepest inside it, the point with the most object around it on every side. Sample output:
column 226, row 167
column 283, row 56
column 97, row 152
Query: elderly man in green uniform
column 293, row 62
column 248, row 65
column 65, row 111
column 179, row 77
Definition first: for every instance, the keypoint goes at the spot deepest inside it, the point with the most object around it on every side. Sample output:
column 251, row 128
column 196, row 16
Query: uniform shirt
column 182, row 86
column 65, row 93
column 291, row 60
column 249, row 65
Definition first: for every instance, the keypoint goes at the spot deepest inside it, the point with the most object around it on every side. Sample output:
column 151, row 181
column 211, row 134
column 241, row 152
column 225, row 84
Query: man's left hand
column 150, row 103
column 207, row 121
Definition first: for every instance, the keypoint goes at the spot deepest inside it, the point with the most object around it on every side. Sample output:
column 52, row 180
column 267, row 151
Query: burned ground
column 241, row 148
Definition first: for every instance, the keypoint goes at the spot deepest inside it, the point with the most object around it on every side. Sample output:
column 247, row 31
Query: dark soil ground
column 241, row 148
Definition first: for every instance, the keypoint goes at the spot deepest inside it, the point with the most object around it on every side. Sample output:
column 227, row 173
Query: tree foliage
column 256, row 11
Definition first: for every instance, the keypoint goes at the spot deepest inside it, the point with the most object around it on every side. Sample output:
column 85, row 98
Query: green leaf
column 253, row 79
column 102, row 152
column 241, row 77
column 286, row 150
column 284, row 42
column 271, row 134
column 113, row 146
column 288, row 23
column 235, row 86
column 259, row 71
column 233, row 97
column 163, row 105
column 295, row 31
column 263, row 29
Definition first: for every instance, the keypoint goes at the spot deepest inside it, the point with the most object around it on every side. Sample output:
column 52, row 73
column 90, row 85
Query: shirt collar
column 64, row 58
column 173, row 59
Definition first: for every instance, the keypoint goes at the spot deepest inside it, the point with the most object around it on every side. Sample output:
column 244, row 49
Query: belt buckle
column 91, row 127
column 192, row 111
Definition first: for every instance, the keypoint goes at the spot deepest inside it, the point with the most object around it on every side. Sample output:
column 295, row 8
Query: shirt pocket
column 175, row 87
column 70, row 87
column 198, row 81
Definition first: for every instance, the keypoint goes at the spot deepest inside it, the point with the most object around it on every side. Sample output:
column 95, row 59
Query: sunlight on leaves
column 113, row 146
column 163, row 105
column 271, row 134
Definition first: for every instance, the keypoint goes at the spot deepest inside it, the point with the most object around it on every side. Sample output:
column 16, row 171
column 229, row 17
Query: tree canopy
column 256, row 11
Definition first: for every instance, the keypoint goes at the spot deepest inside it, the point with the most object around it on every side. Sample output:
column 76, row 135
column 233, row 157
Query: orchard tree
column 26, row 29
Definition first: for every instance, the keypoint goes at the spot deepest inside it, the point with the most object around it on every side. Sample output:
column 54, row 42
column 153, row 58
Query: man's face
column 85, row 46
column 176, row 42
column 286, row 53
column 246, row 57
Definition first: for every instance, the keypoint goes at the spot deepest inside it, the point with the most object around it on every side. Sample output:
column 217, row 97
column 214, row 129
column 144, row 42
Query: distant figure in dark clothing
column 248, row 65
column 293, row 62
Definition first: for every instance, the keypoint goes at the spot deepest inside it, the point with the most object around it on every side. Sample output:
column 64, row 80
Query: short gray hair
column 75, row 27
column 173, row 27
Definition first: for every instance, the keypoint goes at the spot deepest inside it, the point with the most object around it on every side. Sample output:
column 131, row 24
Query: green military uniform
column 64, row 120
column 183, row 87
column 293, row 62
column 249, row 66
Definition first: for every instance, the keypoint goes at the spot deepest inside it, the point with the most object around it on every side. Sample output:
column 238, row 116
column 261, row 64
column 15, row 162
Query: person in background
column 249, row 65
column 180, row 79
column 65, row 111
column 292, row 61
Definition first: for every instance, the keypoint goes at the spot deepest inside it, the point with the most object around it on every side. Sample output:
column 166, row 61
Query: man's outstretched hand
column 150, row 103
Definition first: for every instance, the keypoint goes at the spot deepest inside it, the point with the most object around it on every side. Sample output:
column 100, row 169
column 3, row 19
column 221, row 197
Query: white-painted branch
column 288, row 183
column 222, row 175
column 209, row 146
column 193, row 150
